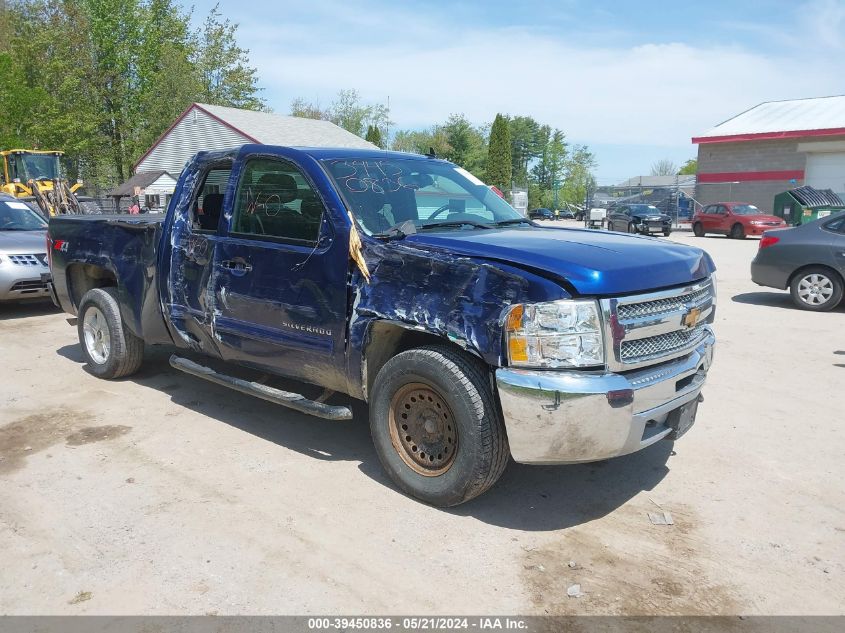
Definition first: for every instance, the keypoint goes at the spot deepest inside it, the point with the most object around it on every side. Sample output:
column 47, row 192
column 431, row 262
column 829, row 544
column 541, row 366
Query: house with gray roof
column 207, row 127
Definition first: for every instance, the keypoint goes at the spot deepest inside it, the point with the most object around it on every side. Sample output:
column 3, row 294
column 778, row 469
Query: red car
column 734, row 219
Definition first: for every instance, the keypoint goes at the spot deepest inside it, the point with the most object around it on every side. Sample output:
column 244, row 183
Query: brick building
column 771, row 148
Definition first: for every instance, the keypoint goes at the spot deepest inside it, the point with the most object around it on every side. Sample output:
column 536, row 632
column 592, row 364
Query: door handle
column 236, row 265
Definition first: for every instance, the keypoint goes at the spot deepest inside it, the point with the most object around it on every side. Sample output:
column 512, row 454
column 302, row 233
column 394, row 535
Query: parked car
column 541, row 214
column 639, row 218
column 474, row 334
column 734, row 219
column 23, row 251
column 808, row 259
column 566, row 214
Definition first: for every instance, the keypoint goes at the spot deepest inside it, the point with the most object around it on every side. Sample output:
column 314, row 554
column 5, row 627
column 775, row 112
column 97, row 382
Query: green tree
column 689, row 168
column 307, row 110
column 104, row 78
column 664, row 167
column 499, row 160
column 374, row 135
column 421, row 141
column 528, row 138
column 347, row 110
column 578, row 172
column 226, row 78
column 467, row 146
column 549, row 168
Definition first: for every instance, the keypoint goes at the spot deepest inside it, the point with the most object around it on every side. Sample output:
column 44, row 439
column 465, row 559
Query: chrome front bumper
column 560, row 417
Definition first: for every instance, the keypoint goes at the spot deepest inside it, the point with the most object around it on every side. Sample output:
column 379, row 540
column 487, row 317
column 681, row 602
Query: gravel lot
column 161, row 494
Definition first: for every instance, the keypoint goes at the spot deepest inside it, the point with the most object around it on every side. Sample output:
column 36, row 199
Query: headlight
column 564, row 333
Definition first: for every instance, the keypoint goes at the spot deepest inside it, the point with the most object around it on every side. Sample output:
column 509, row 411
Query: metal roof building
column 208, row 127
column 773, row 147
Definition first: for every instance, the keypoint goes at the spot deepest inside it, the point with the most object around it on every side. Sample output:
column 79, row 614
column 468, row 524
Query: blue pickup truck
column 473, row 334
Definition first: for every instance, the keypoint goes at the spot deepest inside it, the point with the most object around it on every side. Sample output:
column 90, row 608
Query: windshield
column 17, row 216
column 385, row 193
column 37, row 166
column 746, row 209
column 644, row 208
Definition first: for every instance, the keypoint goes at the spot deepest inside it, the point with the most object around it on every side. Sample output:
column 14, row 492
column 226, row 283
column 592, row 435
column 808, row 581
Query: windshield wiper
column 397, row 231
column 456, row 223
column 515, row 221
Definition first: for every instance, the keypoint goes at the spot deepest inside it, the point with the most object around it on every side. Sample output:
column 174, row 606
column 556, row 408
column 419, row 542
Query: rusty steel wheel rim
column 423, row 429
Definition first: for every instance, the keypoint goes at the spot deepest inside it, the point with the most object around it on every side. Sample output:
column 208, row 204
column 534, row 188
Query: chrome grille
column 27, row 260
column 657, row 346
column 663, row 306
column 642, row 330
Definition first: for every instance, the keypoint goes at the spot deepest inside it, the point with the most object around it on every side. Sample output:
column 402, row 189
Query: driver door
column 280, row 277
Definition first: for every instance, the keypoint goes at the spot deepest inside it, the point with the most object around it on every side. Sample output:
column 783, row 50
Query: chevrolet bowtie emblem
column 691, row 318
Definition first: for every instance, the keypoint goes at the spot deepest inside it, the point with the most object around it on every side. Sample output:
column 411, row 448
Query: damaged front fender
column 457, row 299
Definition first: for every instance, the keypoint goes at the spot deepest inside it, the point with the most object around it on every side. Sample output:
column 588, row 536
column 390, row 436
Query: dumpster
column 805, row 204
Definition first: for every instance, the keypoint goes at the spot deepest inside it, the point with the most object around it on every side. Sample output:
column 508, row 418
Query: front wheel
column 737, row 232
column 817, row 288
column 110, row 350
column 436, row 426
column 632, row 228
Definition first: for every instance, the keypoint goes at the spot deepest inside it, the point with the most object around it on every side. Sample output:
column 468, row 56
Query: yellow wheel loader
column 37, row 175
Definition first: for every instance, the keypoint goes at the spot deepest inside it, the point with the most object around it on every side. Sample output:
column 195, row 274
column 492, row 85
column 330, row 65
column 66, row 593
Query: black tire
column 463, row 385
column 631, row 228
column 832, row 281
column 737, row 232
column 125, row 351
column 667, row 233
column 698, row 229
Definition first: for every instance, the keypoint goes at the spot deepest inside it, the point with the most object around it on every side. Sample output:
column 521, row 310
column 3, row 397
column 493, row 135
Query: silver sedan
column 23, row 252
column 809, row 260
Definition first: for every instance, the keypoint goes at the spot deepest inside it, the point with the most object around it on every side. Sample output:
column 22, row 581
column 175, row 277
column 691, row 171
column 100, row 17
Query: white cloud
column 654, row 93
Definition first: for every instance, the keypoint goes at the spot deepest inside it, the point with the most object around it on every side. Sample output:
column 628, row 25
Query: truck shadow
column 547, row 498
column 315, row 437
column 534, row 498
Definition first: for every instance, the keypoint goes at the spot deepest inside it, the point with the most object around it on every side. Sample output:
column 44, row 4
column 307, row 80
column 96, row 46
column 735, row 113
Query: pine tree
column 499, row 155
column 374, row 135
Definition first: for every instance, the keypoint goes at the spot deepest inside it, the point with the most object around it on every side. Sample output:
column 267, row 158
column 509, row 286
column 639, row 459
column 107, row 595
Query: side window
column 708, row 210
column 719, row 209
column 208, row 203
column 837, row 226
column 274, row 200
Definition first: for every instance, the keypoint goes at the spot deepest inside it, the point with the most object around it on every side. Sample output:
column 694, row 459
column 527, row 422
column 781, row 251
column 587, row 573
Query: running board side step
column 294, row 401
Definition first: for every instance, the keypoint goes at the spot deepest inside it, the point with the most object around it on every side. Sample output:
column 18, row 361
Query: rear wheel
column 698, row 229
column 816, row 288
column 110, row 350
column 436, row 426
column 737, row 232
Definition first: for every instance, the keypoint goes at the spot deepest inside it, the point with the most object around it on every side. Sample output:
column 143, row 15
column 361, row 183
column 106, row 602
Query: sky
column 632, row 80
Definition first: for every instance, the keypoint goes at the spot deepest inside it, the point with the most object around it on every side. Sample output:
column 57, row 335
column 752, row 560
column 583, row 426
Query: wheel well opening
column 834, row 273
column 386, row 340
column 85, row 277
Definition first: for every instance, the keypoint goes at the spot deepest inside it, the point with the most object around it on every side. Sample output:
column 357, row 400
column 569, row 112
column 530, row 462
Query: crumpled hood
column 23, row 242
column 595, row 262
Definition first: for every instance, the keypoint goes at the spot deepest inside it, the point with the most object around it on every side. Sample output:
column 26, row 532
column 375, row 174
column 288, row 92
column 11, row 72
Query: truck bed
column 121, row 246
